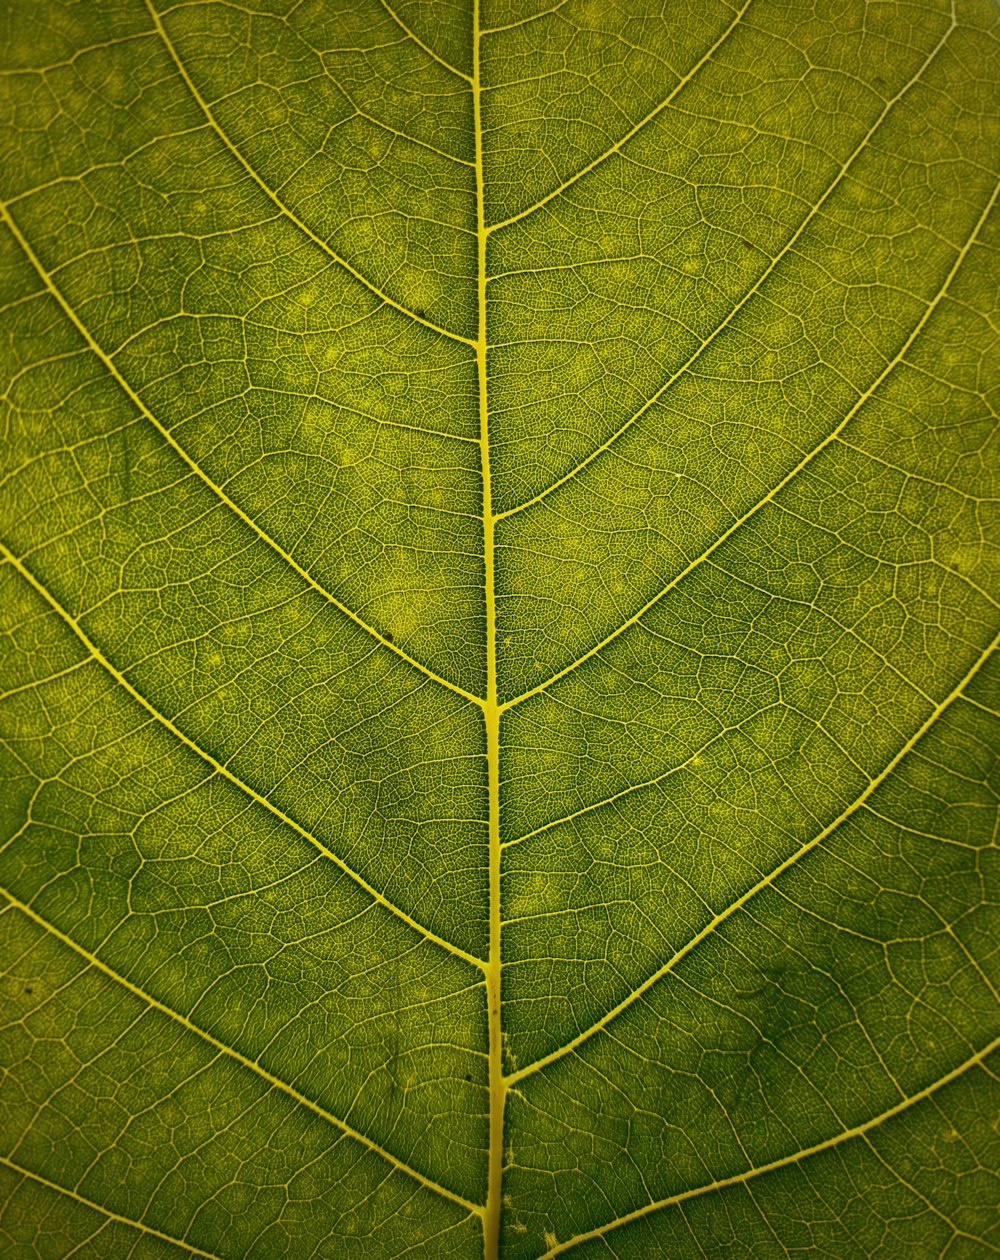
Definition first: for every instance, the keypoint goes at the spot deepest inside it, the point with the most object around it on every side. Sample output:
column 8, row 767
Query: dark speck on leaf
column 745, row 242
column 420, row 314
column 468, row 1077
column 388, row 638
column 28, row 989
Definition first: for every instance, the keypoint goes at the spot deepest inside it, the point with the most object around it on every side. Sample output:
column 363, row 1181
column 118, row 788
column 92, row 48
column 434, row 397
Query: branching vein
column 225, row 772
column 257, row 1069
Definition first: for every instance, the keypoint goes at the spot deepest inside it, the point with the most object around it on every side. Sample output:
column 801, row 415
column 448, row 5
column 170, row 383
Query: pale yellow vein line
column 532, row 17
column 859, row 1130
column 190, row 1248
column 273, row 197
column 491, row 712
column 72, row 59
column 399, row 135
column 420, row 43
column 995, row 713
column 918, row 1194
column 200, row 473
column 764, row 882
column 803, row 463
column 789, row 245
column 619, row 145
column 274, row 1081
column 37, row 684
column 221, row 769
column 641, row 786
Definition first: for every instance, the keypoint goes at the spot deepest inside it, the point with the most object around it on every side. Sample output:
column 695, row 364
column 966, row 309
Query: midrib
column 491, row 712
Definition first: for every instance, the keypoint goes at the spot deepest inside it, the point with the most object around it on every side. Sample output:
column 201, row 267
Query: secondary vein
column 274, row 1081
column 976, row 1060
column 930, row 307
column 576, row 1042
column 276, row 200
column 219, row 768
column 46, row 276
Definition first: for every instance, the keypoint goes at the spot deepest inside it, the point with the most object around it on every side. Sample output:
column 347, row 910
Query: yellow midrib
column 491, row 712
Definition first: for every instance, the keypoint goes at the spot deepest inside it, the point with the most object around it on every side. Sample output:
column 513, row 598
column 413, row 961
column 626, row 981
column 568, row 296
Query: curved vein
column 850, row 632
column 803, row 463
column 273, row 1081
column 219, row 768
column 109, row 363
column 657, row 779
column 616, row 148
column 189, row 1248
column 767, row 880
column 420, row 43
column 859, row 1130
column 533, row 17
column 275, row 200
column 752, row 292
column 392, row 131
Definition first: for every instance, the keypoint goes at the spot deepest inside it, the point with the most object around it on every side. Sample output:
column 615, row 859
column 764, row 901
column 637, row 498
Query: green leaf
column 499, row 500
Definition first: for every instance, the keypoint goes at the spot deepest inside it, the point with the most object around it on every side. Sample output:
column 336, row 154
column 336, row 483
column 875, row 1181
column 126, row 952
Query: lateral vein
column 276, row 200
column 771, row 496
column 221, row 769
column 617, row 147
column 755, row 288
column 189, row 1248
column 420, row 43
column 200, row 473
column 767, row 880
column 274, row 1081
column 859, row 1130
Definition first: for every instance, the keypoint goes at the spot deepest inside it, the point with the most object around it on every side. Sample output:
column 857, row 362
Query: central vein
column 491, row 711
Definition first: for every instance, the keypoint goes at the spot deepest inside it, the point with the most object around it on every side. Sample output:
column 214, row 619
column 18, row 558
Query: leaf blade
column 501, row 502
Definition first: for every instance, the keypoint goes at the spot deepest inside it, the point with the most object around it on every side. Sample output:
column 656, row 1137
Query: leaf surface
column 499, row 592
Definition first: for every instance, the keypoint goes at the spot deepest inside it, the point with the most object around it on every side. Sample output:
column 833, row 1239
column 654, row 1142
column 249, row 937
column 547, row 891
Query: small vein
column 917, row 1193
column 976, row 704
column 37, row 683
column 420, row 44
column 187, row 1247
column 274, row 1081
column 859, row 1130
column 276, row 200
column 641, row 786
column 393, row 131
column 767, row 880
column 532, row 17
column 803, row 463
column 617, row 147
column 200, row 473
column 755, row 288
column 223, row 770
